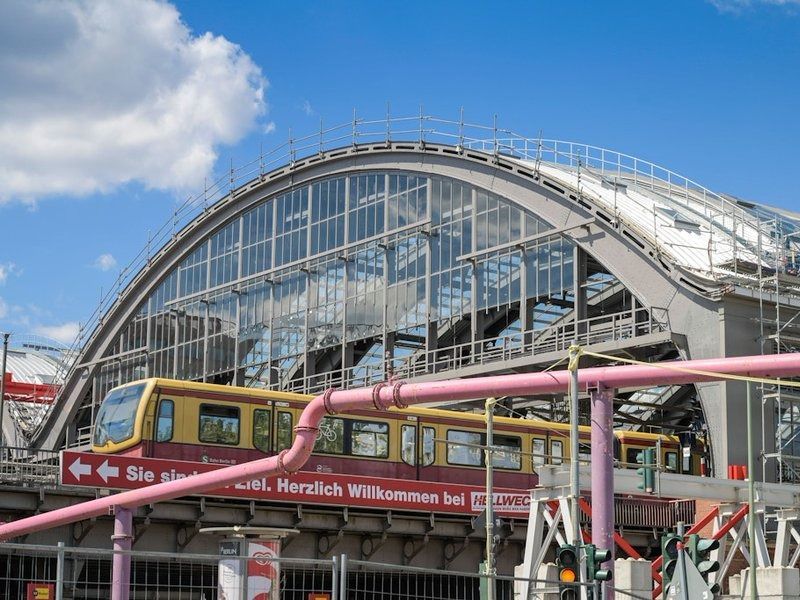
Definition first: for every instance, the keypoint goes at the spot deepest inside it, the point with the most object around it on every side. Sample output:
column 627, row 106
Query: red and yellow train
column 179, row 420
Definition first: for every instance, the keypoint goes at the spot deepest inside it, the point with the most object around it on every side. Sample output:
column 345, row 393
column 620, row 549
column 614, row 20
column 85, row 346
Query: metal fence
column 65, row 573
column 28, row 467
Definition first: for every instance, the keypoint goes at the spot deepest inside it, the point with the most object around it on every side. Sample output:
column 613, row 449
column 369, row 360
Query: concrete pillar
column 633, row 577
column 548, row 572
column 772, row 583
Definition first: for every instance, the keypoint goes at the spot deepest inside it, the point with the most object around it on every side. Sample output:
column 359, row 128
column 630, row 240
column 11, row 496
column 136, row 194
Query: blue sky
column 708, row 89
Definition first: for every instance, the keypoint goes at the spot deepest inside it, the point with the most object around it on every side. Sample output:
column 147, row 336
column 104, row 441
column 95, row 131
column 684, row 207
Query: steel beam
column 553, row 480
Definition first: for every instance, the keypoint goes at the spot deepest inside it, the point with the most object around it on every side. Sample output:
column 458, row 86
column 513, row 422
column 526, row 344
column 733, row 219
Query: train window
column 556, row 451
column 408, row 444
column 507, row 453
column 672, row 461
column 585, row 452
column 428, row 446
column 165, row 420
column 539, row 452
column 284, row 435
column 370, row 439
column 631, row 455
column 330, row 438
column 261, row 429
column 219, row 424
column 464, row 448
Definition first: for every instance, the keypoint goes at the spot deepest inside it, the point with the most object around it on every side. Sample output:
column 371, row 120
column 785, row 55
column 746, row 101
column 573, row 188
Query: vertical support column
column 60, row 572
column 603, row 474
column 121, row 565
column 579, row 288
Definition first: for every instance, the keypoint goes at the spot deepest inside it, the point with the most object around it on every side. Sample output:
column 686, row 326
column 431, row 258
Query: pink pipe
column 382, row 396
column 123, row 541
column 603, row 476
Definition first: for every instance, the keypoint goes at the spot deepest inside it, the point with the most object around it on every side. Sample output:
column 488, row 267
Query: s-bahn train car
column 180, row 420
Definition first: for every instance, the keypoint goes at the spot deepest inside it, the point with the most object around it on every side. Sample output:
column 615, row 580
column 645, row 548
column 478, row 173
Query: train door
column 283, row 426
column 410, row 464
column 162, row 439
column 558, row 450
column 147, row 426
column 262, row 418
column 670, row 461
column 538, row 451
column 417, row 450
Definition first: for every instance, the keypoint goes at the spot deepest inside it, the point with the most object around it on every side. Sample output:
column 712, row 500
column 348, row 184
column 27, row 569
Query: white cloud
column 97, row 94
column 739, row 6
column 7, row 269
column 105, row 262
column 269, row 127
column 65, row 333
column 307, row 108
column 3, row 308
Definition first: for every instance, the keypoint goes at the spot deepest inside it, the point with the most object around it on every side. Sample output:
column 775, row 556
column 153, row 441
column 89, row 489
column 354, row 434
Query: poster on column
column 263, row 570
column 230, row 582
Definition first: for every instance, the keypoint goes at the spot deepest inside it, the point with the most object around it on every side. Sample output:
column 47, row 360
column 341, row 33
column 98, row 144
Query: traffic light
column 669, row 557
column 699, row 553
column 568, row 572
column 646, row 458
column 595, row 557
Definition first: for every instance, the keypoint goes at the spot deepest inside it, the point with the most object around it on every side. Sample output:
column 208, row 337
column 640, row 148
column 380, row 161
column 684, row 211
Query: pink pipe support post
column 602, row 418
column 399, row 394
column 121, row 564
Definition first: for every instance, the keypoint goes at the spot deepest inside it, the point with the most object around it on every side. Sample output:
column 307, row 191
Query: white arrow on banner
column 105, row 471
column 78, row 469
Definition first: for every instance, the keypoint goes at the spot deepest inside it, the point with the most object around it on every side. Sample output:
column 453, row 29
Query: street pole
column 490, row 402
column 751, row 494
column 3, row 385
column 574, row 467
column 681, row 566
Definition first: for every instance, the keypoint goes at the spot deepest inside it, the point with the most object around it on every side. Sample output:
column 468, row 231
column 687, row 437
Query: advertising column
column 249, row 567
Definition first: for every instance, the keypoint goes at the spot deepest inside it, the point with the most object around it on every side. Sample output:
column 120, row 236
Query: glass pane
column 219, row 424
column 507, row 454
column 557, row 452
column 330, row 438
column 672, row 461
column 539, row 452
column 261, row 429
column 370, row 439
column 428, row 446
column 117, row 414
column 408, row 448
column 458, row 453
column 284, row 430
column 166, row 412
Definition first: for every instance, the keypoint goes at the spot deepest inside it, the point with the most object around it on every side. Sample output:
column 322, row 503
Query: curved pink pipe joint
column 384, row 395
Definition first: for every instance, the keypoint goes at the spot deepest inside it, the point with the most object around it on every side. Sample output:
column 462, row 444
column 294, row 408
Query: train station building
column 423, row 250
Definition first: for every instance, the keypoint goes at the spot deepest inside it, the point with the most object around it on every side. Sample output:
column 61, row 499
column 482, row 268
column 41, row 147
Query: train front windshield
column 117, row 415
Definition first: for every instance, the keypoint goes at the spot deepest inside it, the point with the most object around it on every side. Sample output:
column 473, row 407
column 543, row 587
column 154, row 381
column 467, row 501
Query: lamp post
column 490, row 402
column 574, row 432
column 3, row 385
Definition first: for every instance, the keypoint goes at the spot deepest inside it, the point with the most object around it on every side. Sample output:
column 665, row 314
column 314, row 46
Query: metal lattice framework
column 300, row 272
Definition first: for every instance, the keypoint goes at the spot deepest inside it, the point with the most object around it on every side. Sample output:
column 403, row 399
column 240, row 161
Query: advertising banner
column 305, row 487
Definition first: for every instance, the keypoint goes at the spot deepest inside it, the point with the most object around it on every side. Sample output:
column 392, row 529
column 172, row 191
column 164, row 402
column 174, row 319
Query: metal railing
column 619, row 326
column 27, row 467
